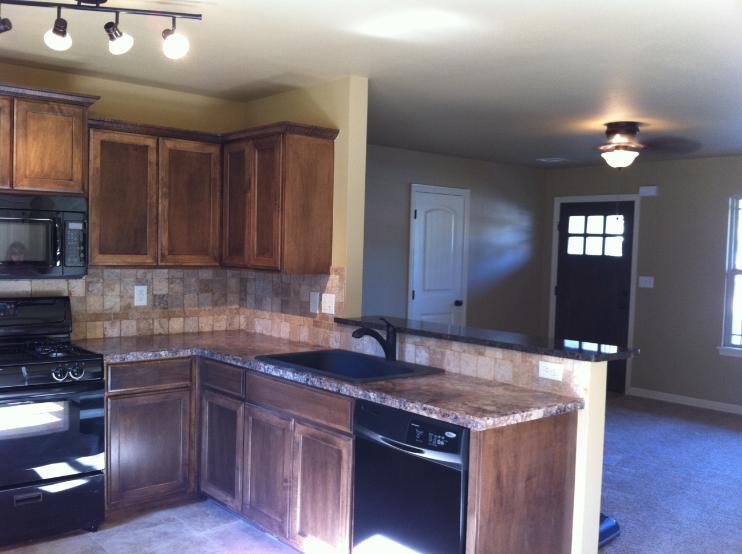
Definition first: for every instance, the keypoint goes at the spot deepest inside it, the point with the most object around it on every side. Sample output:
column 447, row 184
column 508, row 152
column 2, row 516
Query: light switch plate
column 551, row 370
column 649, row 190
column 328, row 303
column 646, row 282
column 314, row 302
column 140, row 295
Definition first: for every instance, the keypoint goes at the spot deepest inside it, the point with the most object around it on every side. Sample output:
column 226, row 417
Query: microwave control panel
column 74, row 243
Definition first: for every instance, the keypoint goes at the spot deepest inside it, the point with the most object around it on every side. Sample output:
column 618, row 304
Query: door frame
column 452, row 191
column 558, row 201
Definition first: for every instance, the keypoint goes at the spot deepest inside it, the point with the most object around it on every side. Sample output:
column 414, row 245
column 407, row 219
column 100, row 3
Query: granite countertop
column 571, row 349
column 467, row 401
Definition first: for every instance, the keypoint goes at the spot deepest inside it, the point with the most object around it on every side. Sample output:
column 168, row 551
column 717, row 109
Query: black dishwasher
column 410, row 483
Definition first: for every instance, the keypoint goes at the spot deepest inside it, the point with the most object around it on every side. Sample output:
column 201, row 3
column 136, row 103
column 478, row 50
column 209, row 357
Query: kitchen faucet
column 389, row 344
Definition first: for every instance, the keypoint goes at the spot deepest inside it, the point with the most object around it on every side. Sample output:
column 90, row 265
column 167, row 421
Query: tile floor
column 199, row 528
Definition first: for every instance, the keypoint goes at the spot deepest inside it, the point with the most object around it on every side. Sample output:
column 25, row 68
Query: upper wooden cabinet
column 123, row 198
column 189, row 202
column 278, row 188
column 5, row 141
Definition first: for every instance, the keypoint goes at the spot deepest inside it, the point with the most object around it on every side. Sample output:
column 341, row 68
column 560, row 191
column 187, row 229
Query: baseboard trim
column 686, row 400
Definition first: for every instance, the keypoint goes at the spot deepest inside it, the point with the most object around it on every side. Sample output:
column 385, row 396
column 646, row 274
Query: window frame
column 730, row 272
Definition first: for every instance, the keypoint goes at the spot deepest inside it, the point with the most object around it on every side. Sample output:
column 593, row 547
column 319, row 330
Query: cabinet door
column 321, row 489
column 49, row 149
column 236, row 202
column 5, row 135
column 148, row 447
column 123, row 198
column 267, row 466
column 221, row 448
column 264, row 221
column 189, row 202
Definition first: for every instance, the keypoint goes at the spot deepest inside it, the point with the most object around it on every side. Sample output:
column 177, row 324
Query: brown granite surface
column 468, row 401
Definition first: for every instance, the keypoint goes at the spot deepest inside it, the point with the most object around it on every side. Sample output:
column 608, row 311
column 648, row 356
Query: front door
column 438, row 253
column 593, row 283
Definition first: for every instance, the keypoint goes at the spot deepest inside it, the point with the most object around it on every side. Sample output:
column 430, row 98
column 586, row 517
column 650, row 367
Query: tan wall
column 682, row 243
column 505, row 256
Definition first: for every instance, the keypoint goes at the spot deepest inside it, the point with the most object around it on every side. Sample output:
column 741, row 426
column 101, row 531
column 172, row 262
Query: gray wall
column 682, row 243
column 506, row 256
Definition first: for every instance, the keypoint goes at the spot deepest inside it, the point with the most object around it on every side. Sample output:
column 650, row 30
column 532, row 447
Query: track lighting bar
column 97, row 7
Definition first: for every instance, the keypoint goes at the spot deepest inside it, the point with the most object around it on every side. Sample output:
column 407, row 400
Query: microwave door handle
column 58, row 246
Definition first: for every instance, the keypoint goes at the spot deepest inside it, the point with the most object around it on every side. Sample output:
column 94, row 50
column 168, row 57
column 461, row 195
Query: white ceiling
column 503, row 80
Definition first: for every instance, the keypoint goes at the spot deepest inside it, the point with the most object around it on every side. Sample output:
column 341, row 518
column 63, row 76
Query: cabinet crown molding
column 86, row 100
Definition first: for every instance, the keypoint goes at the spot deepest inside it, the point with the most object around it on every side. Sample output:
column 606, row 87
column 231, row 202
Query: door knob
column 458, row 303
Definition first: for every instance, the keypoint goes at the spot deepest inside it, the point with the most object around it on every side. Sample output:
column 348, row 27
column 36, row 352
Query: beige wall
column 505, row 256
column 682, row 243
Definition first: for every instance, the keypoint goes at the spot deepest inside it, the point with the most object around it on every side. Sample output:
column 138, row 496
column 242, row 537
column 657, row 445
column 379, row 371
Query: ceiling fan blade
column 671, row 145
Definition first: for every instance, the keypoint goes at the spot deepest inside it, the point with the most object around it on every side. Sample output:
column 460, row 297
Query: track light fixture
column 175, row 44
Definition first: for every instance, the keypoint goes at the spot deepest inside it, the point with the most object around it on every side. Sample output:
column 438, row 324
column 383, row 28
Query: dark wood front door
column 594, row 278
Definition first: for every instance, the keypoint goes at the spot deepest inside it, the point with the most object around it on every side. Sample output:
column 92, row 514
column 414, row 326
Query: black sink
column 349, row 366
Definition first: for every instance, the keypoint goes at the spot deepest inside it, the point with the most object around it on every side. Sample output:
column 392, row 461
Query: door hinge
column 413, row 294
column 415, row 216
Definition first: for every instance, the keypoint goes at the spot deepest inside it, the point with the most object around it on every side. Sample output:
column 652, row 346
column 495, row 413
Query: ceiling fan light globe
column 619, row 158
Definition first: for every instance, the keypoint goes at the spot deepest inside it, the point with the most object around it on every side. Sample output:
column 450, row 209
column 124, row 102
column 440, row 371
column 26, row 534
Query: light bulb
column 619, row 158
column 118, row 42
column 57, row 38
column 175, row 45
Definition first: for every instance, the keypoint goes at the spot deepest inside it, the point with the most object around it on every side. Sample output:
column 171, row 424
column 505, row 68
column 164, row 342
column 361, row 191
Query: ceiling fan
column 623, row 147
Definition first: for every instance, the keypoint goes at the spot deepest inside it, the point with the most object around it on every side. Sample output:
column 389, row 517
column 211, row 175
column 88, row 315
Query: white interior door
column 438, row 252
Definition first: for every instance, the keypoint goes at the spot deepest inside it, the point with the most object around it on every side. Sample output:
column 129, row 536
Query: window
column 733, row 297
column 595, row 235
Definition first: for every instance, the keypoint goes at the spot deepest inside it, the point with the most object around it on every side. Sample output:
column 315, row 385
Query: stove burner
column 54, row 349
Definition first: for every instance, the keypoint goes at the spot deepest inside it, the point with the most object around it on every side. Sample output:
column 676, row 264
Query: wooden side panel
column 307, row 205
column 190, row 175
column 321, row 498
column 264, row 239
column 331, row 410
column 150, row 375
column 148, row 447
column 123, row 198
column 236, row 202
column 521, row 487
column 6, row 144
column 222, row 434
column 267, row 466
column 49, row 147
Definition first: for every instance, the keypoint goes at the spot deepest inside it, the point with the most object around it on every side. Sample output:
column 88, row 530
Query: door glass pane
column 614, row 246
column 614, row 225
column 23, row 241
column 595, row 224
column 576, row 245
column 576, row 224
column 594, row 246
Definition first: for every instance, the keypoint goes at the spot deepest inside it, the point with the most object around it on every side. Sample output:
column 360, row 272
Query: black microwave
column 43, row 237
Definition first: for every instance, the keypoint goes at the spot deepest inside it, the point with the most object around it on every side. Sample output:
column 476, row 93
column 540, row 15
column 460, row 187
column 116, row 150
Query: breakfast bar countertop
column 467, row 401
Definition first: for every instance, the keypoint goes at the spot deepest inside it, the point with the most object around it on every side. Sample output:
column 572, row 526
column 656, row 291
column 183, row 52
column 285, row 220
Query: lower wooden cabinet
column 321, row 499
column 267, row 469
column 149, row 447
column 221, row 447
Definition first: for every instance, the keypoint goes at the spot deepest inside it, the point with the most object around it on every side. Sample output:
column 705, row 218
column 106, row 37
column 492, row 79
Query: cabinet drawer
column 224, row 377
column 149, row 375
column 331, row 410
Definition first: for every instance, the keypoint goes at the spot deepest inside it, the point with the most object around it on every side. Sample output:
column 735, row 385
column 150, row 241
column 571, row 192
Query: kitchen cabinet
column 123, row 198
column 189, row 202
column 5, row 141
column 221, row 447
column 278, row 189
column 150, row 433
column 267, row 469
column 50, row 150
column 321, row 498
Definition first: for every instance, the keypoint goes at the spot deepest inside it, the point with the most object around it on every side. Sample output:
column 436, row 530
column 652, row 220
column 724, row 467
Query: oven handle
column 55, row 393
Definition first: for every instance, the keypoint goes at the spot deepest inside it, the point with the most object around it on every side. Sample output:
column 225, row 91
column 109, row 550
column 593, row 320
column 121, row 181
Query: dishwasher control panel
column 433, row 437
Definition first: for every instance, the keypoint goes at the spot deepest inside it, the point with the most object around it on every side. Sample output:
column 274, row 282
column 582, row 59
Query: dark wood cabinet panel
column 123, row 198
column 189, row 203
column 6, row 104
column 222, row 435
column 49, row 146
column 267, row 469
column 151, row 375
column 321, row 496
column 264, row 221
column 149, row 442
column 236, row 203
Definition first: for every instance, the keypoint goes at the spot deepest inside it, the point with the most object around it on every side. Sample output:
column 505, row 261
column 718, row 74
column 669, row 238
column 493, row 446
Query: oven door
column 50, row 433
column 30, row 243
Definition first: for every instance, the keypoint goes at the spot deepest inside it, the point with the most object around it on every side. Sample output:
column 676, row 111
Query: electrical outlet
column 314, row 302
column 328, row 303
column 550, row 370
column 140, row 295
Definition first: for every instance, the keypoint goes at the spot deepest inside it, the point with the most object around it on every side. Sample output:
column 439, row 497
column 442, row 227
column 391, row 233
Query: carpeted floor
column 673, row 478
